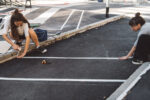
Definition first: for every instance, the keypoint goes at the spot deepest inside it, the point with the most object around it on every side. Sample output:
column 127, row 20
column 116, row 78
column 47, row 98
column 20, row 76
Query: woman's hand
column 26, row 47
column 123, row 58
column 22, row 55
column 16, row 47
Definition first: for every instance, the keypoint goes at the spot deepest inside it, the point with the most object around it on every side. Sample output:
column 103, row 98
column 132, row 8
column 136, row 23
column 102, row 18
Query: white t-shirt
column 22, row 30
column 145, row 29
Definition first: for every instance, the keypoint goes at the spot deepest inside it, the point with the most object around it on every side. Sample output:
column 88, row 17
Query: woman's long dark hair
column 17, row 16
column 137, row 20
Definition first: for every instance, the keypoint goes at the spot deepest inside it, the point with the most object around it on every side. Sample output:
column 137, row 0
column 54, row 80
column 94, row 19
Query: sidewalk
column 55, row 2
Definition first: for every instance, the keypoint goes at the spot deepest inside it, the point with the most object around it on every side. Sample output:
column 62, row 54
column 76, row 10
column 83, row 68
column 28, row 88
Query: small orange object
column 44, row 62
column 104, row 97
column 19, row 48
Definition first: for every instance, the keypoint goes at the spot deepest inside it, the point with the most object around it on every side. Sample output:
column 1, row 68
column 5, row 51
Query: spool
column 44, row 62
column 19, row 48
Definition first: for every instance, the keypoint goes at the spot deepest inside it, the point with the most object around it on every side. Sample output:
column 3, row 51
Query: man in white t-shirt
column 141, row 47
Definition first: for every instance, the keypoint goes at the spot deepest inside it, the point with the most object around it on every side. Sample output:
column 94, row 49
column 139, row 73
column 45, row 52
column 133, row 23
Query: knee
column 30, row 31
column 144, row 39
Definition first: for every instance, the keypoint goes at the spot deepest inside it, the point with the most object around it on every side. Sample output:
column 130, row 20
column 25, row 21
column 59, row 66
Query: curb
column 51, row 40
column 125, row 88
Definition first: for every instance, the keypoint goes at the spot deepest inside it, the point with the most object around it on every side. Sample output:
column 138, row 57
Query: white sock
column 37, row 46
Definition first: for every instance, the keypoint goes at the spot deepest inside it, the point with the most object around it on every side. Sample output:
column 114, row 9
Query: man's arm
column 129, row 54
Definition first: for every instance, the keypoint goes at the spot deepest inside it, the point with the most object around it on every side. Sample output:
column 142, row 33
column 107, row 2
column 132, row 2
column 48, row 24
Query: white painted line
column 51, row 29
column 45, row 16
column 139, row 9
column 132, row 11
column 144, row 16
column 122, row 91
column 67, row 19
column 51, row 34
column 80, row 20
column 61, row 80
column 3, row 8
column 4, row 46
column 24, row 12
column 90, row 58
column 8, row 12
column 27, row 11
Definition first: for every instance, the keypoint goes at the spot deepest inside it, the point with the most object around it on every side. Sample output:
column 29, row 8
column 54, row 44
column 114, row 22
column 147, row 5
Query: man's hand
column 124, row 58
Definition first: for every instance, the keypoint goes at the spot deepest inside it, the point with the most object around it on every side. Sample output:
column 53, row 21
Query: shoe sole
column 136, row 63
column 44, row 51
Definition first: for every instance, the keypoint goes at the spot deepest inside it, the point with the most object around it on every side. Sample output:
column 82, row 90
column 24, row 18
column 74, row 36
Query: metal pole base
column 107, row 12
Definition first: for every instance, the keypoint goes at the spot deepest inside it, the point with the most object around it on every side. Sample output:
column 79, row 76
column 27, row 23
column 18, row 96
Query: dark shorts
column 21, row 37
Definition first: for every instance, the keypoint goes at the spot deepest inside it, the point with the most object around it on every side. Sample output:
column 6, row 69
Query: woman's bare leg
column 34, row 37
column 35, row 40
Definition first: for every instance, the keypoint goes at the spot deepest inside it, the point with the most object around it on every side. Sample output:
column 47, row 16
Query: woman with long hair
column 141, row 47
column 18, row 28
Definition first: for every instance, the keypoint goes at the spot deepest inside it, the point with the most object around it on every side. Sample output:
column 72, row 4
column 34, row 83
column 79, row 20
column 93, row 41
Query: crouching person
column 17, row 27
column 141, row 47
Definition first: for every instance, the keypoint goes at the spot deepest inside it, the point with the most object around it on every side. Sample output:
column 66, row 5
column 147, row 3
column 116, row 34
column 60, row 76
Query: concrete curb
column 123, row 90
column 11, row 55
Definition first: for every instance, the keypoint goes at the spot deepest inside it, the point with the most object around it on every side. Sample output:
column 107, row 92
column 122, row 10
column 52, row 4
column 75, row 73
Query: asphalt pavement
column 71, row 73
column 141, row 90
column 107, row 41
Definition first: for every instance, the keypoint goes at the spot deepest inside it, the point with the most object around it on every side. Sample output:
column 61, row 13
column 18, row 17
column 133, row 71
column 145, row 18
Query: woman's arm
column 26, row 47
column 16, row 47
column 27, row 44
column 129, row 54
column 8, row 40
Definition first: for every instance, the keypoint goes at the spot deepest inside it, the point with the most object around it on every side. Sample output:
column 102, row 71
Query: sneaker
column 137, row 62
column 42, row 50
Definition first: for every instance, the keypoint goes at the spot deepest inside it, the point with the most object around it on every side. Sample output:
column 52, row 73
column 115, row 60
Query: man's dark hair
column 137, row 20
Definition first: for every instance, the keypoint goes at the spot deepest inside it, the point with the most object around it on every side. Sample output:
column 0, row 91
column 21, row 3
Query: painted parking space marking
column 61, row 80
column 27, row 11
column 4, row 46
column 67, row 19
column 88, row 58
column 36, row 13
column 4, row 8
column 80, row 20
column 45, row 16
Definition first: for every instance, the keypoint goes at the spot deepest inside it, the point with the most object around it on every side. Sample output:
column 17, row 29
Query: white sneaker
column 137, row 62
column 42, row 50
